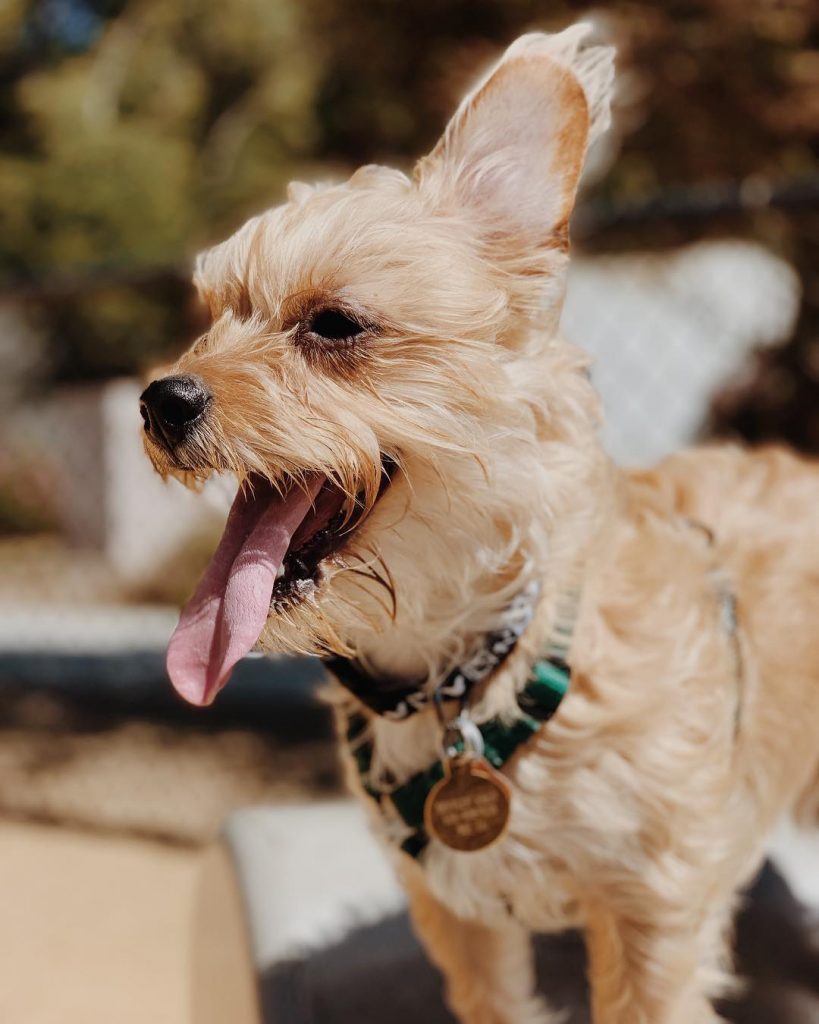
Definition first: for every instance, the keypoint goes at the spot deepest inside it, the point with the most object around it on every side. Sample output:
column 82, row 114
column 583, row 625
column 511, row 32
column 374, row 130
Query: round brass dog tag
column 469, row 808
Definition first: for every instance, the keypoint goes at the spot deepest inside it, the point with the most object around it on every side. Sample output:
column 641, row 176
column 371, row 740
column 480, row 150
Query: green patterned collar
column 398, row 700
column 402, row 806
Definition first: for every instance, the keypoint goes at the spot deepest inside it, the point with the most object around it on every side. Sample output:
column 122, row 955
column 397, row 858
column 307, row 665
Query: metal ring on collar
column 467, row 731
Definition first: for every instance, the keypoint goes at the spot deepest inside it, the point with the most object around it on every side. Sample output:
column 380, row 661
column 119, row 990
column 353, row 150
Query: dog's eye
column 334, row 325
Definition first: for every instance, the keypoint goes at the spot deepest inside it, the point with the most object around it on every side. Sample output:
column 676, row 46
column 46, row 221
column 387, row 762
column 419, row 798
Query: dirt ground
column 94, row 929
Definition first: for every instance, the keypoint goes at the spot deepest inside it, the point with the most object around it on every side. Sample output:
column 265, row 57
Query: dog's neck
column 426, row 653
column 555, row 496
column 560, row 549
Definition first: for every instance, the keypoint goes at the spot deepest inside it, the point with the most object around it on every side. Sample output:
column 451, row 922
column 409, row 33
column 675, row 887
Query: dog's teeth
column 280, row 571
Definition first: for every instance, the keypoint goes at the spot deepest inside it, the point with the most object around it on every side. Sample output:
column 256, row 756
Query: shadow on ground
column 379, row 972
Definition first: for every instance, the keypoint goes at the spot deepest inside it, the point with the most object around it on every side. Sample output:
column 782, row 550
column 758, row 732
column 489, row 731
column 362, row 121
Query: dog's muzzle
column 171, row 408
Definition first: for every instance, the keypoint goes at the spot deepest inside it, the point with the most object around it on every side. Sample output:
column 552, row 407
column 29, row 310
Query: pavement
column 95, row 929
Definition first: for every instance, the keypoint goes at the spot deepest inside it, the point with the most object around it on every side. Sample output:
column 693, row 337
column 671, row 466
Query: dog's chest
column 507, row 880
column 522, row 874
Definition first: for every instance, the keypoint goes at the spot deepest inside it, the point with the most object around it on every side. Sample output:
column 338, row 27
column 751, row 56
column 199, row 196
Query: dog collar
column 402, row 806
column 398, row 701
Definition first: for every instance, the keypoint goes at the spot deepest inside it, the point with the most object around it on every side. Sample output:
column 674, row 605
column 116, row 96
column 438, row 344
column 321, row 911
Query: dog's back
column 761, row 508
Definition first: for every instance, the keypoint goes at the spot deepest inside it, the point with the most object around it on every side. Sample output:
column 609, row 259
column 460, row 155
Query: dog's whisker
column 356, row 606
column 374, row 577
column 389, row 584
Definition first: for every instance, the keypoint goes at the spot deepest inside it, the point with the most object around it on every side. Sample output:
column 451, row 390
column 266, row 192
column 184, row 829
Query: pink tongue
column 228, row 611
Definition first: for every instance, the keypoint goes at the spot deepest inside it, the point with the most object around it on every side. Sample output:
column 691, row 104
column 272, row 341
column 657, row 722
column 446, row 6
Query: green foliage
column 179, row 120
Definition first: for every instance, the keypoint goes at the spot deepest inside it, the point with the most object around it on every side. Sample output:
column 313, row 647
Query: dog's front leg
column 648, row 968
column 488, row 970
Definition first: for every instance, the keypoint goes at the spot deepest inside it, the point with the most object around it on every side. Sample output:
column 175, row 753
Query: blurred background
column 134, row 132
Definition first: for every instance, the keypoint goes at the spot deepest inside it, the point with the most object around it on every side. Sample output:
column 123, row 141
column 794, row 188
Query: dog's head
column 378, row 360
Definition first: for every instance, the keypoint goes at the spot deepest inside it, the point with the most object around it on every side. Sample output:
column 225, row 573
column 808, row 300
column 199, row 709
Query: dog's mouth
column 327, row 528
column 270, row 556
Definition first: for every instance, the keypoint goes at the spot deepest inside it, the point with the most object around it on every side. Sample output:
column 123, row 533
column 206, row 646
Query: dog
column 424, row 501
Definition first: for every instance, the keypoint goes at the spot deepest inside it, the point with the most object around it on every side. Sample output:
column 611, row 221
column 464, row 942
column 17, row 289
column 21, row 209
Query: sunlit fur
column 644, row 805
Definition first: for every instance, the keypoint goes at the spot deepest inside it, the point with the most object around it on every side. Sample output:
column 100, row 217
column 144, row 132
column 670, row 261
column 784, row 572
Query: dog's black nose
column 171, row 406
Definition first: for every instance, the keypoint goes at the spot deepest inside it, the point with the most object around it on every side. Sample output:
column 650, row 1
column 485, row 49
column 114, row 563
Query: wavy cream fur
column 644, row 805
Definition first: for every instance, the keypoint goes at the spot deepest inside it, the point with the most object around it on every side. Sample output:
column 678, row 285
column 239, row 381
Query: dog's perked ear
column 514, row 150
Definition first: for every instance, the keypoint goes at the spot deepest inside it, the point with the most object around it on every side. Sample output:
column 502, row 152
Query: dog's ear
column 219, row 275
column 514, row 150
